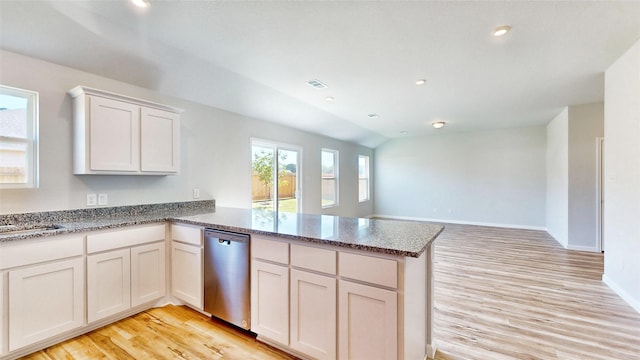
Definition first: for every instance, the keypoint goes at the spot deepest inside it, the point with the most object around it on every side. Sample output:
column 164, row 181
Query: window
column 18, row 138
column 363, row 178
column 329, row 178
column 275, row 176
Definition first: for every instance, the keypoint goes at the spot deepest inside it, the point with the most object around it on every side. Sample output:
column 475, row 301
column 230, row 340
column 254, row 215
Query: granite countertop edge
column 176, row 214
column 371, row 248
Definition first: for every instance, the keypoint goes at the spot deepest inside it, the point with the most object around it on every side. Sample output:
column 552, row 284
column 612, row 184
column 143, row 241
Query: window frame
column 367, row 178
column 277, row 146
column 31, row 141
column 335, row 177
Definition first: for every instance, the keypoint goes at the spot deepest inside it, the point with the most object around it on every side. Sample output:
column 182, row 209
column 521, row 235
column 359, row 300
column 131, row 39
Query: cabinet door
column 147, row 273
column 313, row 314
column 270, row 301
column 114, row 129
column 368, row 323
column 108, row 284
column 186, row 273
column 160, row 141
column 44, row 301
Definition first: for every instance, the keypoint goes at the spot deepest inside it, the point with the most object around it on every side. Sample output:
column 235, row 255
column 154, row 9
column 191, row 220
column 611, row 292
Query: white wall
column 571, row 175
column 215, row 151
column 558, row 177
column 622, row 176
column 586, row 124
column 491, row 177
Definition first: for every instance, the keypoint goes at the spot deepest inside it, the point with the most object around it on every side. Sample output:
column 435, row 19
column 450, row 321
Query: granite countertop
column 406, row 238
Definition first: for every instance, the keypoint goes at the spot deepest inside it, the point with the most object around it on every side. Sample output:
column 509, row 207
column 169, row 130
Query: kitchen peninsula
column 321, row 286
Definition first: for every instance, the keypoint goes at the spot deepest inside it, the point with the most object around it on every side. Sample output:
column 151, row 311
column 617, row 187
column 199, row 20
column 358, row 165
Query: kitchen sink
column 15, row 229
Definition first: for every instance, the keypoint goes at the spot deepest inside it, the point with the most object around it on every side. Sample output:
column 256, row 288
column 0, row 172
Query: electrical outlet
column 103, row 199
column 92, row 200
column 196, row 193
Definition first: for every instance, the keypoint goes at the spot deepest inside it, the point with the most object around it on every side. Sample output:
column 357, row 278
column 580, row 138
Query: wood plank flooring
column 500, row 294
column 518, row 294
column 170, row 332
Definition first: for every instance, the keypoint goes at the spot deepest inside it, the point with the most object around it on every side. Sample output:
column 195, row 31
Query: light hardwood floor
column 500, row 294
column 518, row 294
column 170, row 332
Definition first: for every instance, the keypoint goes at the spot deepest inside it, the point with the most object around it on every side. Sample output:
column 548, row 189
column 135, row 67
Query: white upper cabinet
column 114, row 135
column 120, row 135
column 159, row 141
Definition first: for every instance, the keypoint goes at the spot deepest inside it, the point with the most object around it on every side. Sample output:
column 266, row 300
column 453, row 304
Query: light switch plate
column 92, row 200
column 103, row 199
column 196, row 193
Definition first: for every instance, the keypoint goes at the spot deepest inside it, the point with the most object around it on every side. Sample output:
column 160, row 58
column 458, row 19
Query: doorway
column 275, row 176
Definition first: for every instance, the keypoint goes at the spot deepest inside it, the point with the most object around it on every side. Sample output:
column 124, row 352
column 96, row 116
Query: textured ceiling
column 255, row 58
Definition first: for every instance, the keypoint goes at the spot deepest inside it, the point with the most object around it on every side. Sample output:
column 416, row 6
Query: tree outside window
column 273, row 164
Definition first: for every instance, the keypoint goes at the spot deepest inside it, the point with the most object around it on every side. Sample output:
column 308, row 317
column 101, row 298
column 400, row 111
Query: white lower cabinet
column 42, row 282
column 186, row 274
column 293, row 298
column 43, row 289
column 3, row 322
column 315, row 301
column 45, row 300
column 270, row 301
column 368, row 325
column 187, row 283
column 125, row 268
column 313, row 314
column 108, row 284
column 368, row 307
column 324, row 304
column 147, row 273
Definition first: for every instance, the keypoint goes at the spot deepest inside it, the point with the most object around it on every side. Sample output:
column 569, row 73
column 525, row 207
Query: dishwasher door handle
column 229, row 236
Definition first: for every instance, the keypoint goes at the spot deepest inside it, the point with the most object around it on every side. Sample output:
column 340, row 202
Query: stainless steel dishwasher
column 227, row 294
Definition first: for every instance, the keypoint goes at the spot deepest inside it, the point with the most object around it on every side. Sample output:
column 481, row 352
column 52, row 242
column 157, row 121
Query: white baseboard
column 575, row 247
column 448, row 221
column 564, row 244
column 635, row 303
column 431, row 352
column 583, row 248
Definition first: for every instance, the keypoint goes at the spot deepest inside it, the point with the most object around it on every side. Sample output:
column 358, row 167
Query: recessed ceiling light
column 438, row 124
column 141, row 3
column 373, row 115
column 317, row 84
column 421, row 81
column 501, row 30
column 328, row 99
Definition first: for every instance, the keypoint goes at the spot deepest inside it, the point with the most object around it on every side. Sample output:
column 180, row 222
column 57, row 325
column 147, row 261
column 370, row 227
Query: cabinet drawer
column 270, row 250
column 187, row 234
column 312, row 258
column 32, row 252
column 125, row 238
column 369, row 269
